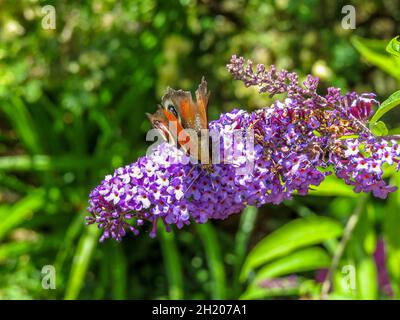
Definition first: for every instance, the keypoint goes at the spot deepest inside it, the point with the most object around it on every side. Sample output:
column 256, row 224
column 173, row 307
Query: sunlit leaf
column 333, row 186
column 299, row 261
column 344, row 283
column 367, row 280
column 386, row 106
column 374, row 52
column 379, row 128
column 256, row 292
column 391, row 225
column 393, row 47
column 294, row 235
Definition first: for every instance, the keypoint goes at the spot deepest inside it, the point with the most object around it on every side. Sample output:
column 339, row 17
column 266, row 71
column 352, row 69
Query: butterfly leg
column 194, row 180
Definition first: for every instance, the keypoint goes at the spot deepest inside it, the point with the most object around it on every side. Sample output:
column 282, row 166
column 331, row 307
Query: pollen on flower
column 294, row 140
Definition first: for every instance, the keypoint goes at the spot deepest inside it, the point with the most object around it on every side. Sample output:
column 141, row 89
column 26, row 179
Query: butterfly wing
column 178, row 107
column 201, row 122
column 202, row 95
column 181, row 105
column 191, row 114
column 159, row 121
column 170, row 127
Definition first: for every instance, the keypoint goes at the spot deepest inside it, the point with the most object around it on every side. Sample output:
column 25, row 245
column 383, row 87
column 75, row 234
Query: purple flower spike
column 293, row 141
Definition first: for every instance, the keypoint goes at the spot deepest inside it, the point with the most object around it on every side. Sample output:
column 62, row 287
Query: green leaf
column 299, row 261
column 21, row 119
column 391, row 225
column 214, row 259
column 102, row 284
column 16, row 249
column 17, row 213
column 80, row 264
column 172, row 262
column 367, row 286
column 292, row 236
column 379, row 128
column 11, row 182
column 246, row 226
column 69, row 237
column 393, row 47
column 344, row 283
column 46, row 163
column 119, row 269
column 257, row 292
column 374, row 52
column 336, row 296
column 386, row 106
column 333, row 186
column 369, row 238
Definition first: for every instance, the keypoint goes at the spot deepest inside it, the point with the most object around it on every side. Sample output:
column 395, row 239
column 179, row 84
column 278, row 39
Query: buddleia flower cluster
column 297, row 142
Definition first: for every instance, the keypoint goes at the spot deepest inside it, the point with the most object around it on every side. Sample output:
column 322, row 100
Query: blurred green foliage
column 73, row 103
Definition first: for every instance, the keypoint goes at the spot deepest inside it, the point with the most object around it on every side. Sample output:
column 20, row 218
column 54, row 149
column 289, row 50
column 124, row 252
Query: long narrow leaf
column 19, row 116
column 213, row 253
column 392, row 239
column 386, row 106
column 246, row 226
column 81, row 261
column 17, row 213
column 300, row 261
column 393, row 47
column 46, row 163
column 173, row 264
column 118, row 270
column 294, row 235
column 367, row 279
column 374, row 51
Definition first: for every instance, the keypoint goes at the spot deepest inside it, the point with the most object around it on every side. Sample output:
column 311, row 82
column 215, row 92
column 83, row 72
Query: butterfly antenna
column 194, row 180
column 212, row 184
column 191, row 170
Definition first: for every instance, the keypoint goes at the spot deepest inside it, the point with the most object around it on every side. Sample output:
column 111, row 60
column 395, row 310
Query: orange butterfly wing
column 180, row 134
column 202, row 95
column 159, row 121
column 179, row 108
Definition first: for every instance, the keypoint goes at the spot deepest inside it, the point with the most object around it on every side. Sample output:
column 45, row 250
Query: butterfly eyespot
column 171, row 108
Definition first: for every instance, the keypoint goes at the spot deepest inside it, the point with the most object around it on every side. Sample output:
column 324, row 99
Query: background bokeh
column 72, row 108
